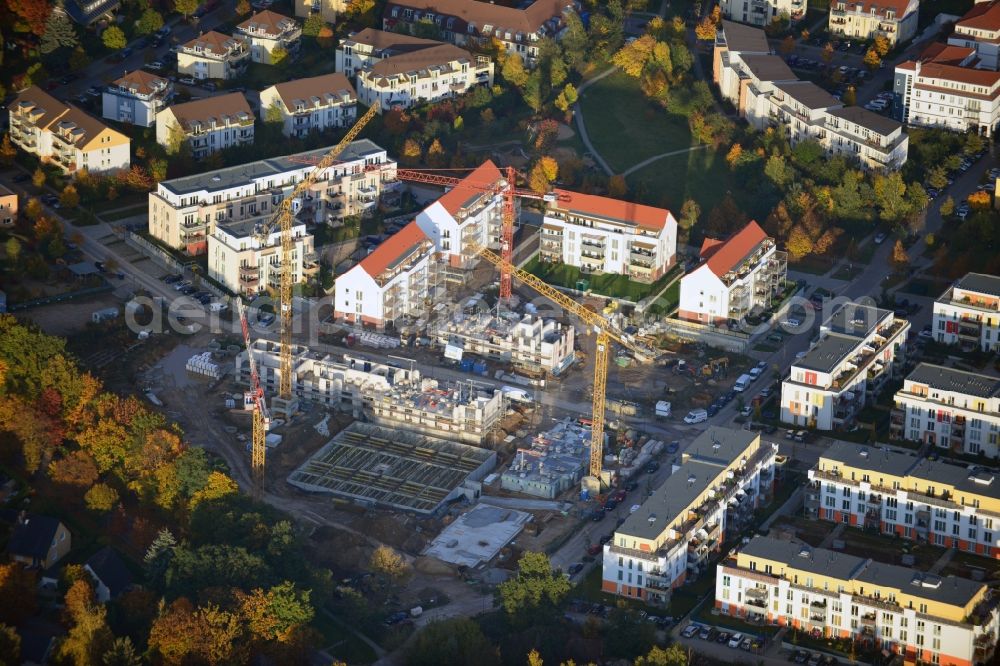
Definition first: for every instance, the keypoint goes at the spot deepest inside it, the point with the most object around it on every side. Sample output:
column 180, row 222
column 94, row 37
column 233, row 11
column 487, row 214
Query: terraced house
column 720, row 479
column 64, row 136
column 267, row 32
column 136, row 98
column 213, row 55
column 950, row 409
column 921, row 617
column 968, row 313
column 183, row 211
column 363, row 49
column 737, row 276
column 604, row 235
column 206, row 125
column 314, row 104
column 471, row 22
column 896, row 20
column 762, row 12
column 859, row 349
column 898, row 493
column 428, row 75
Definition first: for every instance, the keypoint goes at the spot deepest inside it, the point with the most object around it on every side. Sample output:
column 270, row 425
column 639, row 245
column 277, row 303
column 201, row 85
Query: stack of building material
column 202, row 364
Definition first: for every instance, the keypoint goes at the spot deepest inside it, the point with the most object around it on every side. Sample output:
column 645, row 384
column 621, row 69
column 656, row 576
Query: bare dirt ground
column 68, row 318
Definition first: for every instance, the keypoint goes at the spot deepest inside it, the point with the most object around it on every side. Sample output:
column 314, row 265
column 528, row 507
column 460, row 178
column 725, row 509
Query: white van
column 663, row 409
column 743, row 383
column 696, row 416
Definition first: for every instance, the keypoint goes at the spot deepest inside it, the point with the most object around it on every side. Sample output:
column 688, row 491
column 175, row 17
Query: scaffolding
column 554, row 462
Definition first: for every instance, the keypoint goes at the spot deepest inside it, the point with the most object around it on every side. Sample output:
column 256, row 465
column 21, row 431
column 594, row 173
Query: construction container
column 202, row 364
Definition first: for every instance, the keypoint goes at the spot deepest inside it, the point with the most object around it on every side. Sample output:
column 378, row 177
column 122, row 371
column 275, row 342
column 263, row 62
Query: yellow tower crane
column 605, row 334
column 283, row 218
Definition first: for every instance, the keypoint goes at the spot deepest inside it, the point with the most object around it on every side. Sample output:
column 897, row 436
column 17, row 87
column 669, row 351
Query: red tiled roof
column 724, row 256
column 268, row 23
column 473, row 185
column 392, row 249
column 982, row 16
column 947, row 54
column 880, row 6
column 481, row 14
column 647, row 217
column 708, row 246
column 976, row 77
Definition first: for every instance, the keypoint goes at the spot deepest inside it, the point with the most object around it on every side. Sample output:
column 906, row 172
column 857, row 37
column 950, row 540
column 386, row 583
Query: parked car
column 672, row 447
column 705, row 633
column 156, row 65
column 880, row 238
column 723, row 638
column 792, row 322
column 171, row 278
column 696, row 416
column 690, row 631
column 735, row 640
column 187, row 80
column 576, row 568
column 745, row 645
column 746, row 411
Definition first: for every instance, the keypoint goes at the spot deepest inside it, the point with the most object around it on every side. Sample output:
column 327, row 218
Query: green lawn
column 341, row 643
column 668, row 302
column 624, row 127
column 701, row 175
column 616, row 286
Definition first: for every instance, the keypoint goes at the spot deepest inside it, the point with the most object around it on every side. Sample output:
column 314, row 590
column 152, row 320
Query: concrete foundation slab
column 477, row 536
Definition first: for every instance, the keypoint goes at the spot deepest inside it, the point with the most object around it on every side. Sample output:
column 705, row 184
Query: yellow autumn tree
column 632, row 58
column 545, row 171
column 734, row 155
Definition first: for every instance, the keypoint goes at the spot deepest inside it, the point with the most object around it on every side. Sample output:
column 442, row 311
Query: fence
column 167, row 261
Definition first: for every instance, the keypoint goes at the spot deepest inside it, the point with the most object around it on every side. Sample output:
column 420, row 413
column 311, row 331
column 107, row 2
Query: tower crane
column 283, row 218
column 606, row 332
column 261, row 417
column 508, row 189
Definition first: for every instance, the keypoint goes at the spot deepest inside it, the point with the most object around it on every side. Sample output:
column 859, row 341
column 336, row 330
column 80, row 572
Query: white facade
column 603, row 235
column 247, row 263
column 206, row 126
column 920, row 617
column 737, row 276
column 65, row 136
column 530, row 343
column 267, row 31
column 398, row 279
column 183, row 211
column 365, row 48
column 950, row 409
column 859, row 348
column 762, row 12
column 724, row 475
column 979, row 29
column 309, row 105
column 968, row 314
column 213, row 55
column 136, row 98
column 896, row 20
column 423, row 76
column 960, row 98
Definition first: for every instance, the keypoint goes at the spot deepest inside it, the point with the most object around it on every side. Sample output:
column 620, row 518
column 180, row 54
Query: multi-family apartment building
column 949, row 409
column 183, row 211
column 762, row 13
column 328, row 10
column 736, row 276
column 979, row 29
column 136, row 98
column 767, row 94
column 267, row 31
column 603, row 235
column 859, row 349
column 968, row 313
column 206, row 125
column 944, row 88
column 314, row 104
column 920, row 617
column 721, row 478
column 213, row 55
column 382, row 393
column 63, row 135
column 896, row 20
column 474, row 22
column 899, row 493
column 364, row 49
column 466, row 216
column 426, row 75
column 8, row 207
column 246, row 256
column 399, row 278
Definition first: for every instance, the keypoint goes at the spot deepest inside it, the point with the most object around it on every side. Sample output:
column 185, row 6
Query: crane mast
column 261, row 417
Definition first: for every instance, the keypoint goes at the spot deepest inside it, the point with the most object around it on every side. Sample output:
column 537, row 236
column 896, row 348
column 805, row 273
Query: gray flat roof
column 984, row 483
column 980, row 282
column 950, row 379
column 867, row 119
column 243, row 174
column 805, row 558
column 947, row 589
column 705, row 458
column 769, row 68
column 828, row 353
column 808, row 94
column 743, row 38
column 867, row 457
column 855, row 319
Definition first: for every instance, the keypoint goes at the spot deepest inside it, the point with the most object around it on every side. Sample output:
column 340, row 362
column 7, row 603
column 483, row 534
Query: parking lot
column 727, row 645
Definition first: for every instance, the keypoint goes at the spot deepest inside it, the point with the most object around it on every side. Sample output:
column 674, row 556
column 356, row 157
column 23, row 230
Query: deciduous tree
column 77, row 469
column 435, row 154
column 850, row 96
column 243, row 8
column 7, row 150
column 17, row 582
column 535, row 591
column 69, row 197
column 545, row 170
column 149, row 22
column 872, row 59
column 979, row 200
column 675, row 655
column 278, row 55
column 113, row 38
column 937, row 177
column 34, row 13
column 705, row 30
column 889, row 196
column 312, row 25
column 827, row 54
column 186, row 7
column 89, row 636
column 690, row 212
column 452, row 642
column 566, row 98
column 513, row 70
column 617, row 187
column 734, row 155
column 799, row 244
column 101, row 498
column 38, row 178
column 10, row 645
column 881, row 45
column 900, row 258
column 777, row 170
column 387, row 564
column 121, row 652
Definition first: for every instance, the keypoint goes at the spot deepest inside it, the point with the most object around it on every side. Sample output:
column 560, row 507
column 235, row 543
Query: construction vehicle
column 284, row 219
column 606, row 332
column 261, row 416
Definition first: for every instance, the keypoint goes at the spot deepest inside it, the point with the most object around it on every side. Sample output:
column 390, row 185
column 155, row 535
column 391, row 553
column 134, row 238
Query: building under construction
column 555, row 461
column 386, row 394
column 375, row 466
column 528, row 342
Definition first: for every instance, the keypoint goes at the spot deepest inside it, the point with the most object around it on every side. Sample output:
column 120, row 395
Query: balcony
column 868, row 620
column 757, row 596
column 249, row 275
